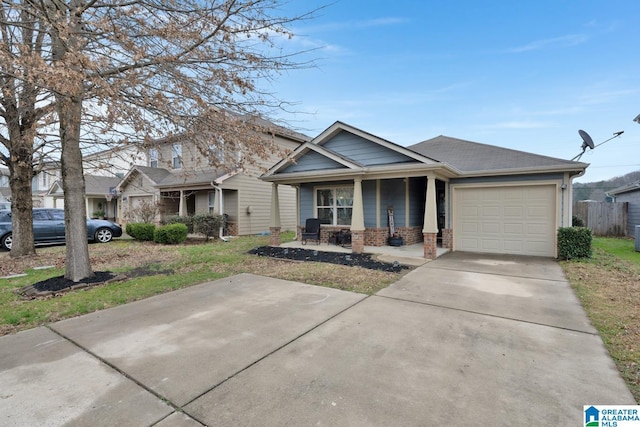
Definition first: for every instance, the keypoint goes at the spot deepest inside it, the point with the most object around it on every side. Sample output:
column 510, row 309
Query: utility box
column 637, row 238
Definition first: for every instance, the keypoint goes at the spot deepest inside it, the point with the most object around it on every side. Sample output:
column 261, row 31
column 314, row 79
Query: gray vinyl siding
column 369, row 202
column 392, row 194
column 507, row 178
column 306, row 203
column 312, row 161
column 417, row 198
column 633, row 219
column 364, row 151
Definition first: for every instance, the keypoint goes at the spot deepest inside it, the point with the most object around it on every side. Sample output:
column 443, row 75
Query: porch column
column 274, row 220
column 182, row 210
column 430, row 224
column 357, row 218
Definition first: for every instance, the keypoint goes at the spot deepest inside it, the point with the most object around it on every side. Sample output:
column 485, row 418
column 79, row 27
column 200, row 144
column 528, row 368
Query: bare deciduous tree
column 25, row 109
column 145, row 69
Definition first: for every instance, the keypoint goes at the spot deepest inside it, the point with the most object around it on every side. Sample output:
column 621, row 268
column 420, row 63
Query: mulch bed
column 352, row 260
column 59, row 284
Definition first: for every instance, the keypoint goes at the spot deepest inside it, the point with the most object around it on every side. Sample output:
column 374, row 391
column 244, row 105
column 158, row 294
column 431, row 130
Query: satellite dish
column 586, row 140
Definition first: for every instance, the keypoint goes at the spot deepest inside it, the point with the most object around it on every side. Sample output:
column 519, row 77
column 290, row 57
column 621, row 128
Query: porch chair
column 311, row 230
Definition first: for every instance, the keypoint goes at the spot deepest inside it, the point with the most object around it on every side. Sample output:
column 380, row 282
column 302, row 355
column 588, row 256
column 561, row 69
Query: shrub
column 576, row 221
column 207, row 224
column 574, row 242
column 170, row 234
column 141, row 230
column 186, row 220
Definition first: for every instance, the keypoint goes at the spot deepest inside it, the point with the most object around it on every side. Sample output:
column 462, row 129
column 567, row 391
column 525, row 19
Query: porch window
column 177, row 156
column 212, row 202
column 335, row 205
column 153, row 158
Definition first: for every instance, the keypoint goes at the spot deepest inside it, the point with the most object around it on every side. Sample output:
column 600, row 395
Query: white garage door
column 508, row 220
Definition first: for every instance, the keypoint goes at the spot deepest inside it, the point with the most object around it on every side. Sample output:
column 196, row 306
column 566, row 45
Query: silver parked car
column 48, row 227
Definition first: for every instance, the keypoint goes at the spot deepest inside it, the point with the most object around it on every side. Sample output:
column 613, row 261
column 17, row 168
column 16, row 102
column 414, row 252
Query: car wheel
column 6, row 242
column 103, row 235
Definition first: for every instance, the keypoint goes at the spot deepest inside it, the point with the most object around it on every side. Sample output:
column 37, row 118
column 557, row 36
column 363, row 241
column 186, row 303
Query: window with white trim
column 176, row 159
column 334, row 205
column 212, row 202
column 153, row 158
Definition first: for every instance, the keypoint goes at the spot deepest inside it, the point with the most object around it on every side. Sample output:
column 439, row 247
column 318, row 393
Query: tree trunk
column 78, row 265
column 21, row 174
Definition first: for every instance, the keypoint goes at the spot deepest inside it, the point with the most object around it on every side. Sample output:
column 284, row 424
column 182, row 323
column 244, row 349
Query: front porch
column 406, row 255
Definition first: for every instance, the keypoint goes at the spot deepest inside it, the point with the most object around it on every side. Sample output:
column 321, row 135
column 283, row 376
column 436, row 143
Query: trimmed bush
column 207, row 224
column 141, row 230
column 576, row 221
column 574, row 242
column 170, row 234
column 186, row 220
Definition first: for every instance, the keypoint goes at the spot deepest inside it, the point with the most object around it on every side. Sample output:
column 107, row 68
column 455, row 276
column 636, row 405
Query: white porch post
column 274, row 220
column 182, row 210
column 357, row 218
column 430, row 224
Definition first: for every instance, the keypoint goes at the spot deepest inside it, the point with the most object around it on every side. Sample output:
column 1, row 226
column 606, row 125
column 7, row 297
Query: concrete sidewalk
column 458, row 341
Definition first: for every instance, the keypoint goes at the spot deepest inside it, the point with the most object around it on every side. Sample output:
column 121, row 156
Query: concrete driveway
column 462, row 340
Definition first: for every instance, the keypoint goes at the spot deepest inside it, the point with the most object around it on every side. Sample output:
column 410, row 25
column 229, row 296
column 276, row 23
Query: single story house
column 629, row 193
column 463, row 195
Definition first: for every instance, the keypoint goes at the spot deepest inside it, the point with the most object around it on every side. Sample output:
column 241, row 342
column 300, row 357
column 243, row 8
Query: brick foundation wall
column 430, row 245
column 274, row 236
column 379, row 236
column 376, row 236
column 447, row 238
column 357, row 242
column 232, row 228
column 372, row 236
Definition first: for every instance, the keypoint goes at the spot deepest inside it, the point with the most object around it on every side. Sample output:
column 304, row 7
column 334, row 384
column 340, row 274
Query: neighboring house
column 629, row 193
column 5, row 190
column 114, row 162
column 179, row 180
column 41, row 183
column 103, row 171
column 100, row 196
column 465, row 195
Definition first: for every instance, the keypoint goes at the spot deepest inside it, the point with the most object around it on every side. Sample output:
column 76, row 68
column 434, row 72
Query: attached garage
column 507, row 219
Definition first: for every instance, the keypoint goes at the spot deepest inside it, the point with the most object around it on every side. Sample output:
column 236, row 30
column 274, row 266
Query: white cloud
column 557, row 42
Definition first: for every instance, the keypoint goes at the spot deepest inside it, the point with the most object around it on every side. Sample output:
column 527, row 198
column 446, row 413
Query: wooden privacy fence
column 604, row 218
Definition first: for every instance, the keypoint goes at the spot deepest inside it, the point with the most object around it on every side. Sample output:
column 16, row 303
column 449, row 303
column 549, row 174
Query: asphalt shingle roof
column 468, row 156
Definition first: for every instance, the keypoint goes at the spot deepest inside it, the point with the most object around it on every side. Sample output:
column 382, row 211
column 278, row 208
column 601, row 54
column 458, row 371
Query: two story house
column 179, row 180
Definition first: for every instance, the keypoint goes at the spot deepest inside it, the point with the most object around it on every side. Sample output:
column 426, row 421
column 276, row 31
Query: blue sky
column 525, row 75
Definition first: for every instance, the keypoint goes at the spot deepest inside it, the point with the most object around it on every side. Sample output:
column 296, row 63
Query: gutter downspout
column 220, row 198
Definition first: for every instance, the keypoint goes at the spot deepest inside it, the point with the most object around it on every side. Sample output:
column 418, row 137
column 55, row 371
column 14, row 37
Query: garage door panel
column 489, row 245
column 517, row 229
column 490, row 228
column 518, row 219
column 470, row 227
column 491, row 211
column 513, row 211
column 513, row 246
column 537, row 229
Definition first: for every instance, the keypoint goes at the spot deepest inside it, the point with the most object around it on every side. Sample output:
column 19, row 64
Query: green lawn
column 608, row 286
